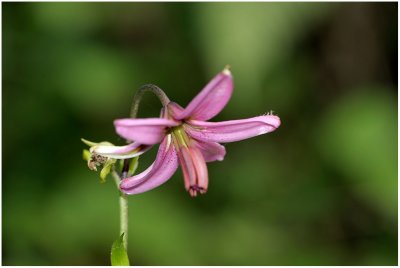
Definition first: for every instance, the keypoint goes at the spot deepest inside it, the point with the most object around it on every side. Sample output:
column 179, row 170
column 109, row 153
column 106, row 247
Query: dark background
column 321, row 190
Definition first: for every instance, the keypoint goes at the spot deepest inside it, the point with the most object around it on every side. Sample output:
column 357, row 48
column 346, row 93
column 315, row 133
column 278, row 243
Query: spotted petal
column 146, row 131
column 211, row 151
column 158, row 173
column 234, row 130
column 211, row 100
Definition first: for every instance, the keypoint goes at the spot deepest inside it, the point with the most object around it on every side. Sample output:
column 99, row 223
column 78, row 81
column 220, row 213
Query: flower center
column 96, row 160
column 192, row 162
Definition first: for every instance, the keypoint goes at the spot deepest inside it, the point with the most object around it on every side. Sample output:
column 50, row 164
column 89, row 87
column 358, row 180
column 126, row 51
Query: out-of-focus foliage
column 321, row 190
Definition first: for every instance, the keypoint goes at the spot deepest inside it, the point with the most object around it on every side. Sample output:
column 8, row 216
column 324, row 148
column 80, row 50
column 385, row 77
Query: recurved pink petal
column 234, row 130
column 174, row 109
column 211, row 151
column 146, row 131
column 158, row 173
column 211, row 100
column 121, row 152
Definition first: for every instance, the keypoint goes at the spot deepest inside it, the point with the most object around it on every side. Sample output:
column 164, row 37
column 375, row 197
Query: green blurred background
column 321, row 190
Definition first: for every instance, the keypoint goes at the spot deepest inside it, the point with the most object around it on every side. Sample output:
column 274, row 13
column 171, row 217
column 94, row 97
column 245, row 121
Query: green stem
column 123, row 211
column 139, row 94
column 123, row 199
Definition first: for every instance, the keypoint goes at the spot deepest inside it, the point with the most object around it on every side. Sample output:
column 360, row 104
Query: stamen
column 227, row 70
column 193, row 165
column 193, row 190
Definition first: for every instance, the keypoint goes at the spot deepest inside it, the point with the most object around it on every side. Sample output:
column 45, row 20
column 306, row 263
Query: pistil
column 192, row 162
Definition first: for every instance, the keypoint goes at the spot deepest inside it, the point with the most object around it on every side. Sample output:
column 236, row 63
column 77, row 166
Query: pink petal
column 211, row 100
column 174, row 109
column 158, row 173
column 121, row 152
column 211, row 151
column 234, row 130
column 146, row 131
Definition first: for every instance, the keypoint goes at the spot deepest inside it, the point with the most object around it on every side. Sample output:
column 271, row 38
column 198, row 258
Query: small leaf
column 106, row 169
column 94, row 144
column 121, row 165
column 119, row 257
column 133, row 166
column 88, row 143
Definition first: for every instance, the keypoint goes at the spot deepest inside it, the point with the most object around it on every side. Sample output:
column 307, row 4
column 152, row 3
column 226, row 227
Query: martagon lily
column 187, row 139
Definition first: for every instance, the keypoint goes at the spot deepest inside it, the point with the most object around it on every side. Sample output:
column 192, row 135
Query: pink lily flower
column 187, row 139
